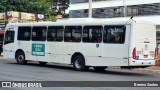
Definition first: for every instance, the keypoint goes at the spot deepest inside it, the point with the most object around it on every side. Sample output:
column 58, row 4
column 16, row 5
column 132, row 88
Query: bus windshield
column 9, row 37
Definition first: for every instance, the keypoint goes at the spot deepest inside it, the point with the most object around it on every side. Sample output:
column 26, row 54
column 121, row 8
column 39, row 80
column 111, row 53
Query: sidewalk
column 155, row 69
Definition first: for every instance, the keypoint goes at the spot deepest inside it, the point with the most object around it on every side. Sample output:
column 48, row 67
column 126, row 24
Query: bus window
column 24, row 33
column 114, row 34
column 39, row 33
column 55, row 33
column 92, row 34
column 72, row 34
column 9, row 37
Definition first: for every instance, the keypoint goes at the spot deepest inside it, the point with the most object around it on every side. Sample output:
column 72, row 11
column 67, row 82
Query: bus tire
column 99, row 68
column 42, row 63
column 20, row 57
column 79, row 63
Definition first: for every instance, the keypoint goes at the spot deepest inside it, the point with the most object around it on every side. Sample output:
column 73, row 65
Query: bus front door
column 9, row 44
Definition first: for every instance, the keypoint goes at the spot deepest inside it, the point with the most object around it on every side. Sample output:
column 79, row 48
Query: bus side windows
column 72, row 34
column 55, row 33
column 24, row 33
column 114, row 34
column 39, row 33
column 92, row 34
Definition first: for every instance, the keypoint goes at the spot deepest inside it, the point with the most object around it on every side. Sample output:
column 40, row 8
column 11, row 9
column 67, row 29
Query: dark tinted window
column 24, row 33
column 72, row 34
column 114, row 34
column 55, row 33
column 39, row 33
column 92, row 34
column 78, row 13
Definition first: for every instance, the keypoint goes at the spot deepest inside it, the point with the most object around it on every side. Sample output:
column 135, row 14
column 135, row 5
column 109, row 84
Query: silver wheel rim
column 78, row 63
column 20, row 58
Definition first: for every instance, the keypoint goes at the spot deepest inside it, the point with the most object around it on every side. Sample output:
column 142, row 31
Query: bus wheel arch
column 74, row 55
column 20, row 57
column 78, row 62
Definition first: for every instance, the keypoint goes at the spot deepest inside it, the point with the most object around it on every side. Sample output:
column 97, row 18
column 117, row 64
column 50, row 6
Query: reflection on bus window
column 92, row 34
column 9, row 37
column 39, row 33
column 114, row 34
column 72, row 34
column 55, row 33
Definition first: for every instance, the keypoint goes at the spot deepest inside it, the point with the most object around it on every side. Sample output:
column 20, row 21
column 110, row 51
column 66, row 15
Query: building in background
column 140, row 9
column 114, row 8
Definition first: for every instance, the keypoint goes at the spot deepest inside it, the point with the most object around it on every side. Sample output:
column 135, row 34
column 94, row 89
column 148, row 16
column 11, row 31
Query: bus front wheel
column 20, row 57
column 79, row 63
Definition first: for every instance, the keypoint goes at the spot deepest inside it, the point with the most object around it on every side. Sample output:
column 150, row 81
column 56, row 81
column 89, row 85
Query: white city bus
column 84, row 44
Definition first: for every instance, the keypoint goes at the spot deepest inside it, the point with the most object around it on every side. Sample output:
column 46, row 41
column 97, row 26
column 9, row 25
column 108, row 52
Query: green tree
column 30, row 6
column 49, row 8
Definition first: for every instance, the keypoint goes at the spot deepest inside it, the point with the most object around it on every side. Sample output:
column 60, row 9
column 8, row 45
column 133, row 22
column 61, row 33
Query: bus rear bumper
column 142, row 63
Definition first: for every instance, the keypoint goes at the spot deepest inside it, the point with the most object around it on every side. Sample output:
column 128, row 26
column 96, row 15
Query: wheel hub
column 78, row 63
column 20, row 58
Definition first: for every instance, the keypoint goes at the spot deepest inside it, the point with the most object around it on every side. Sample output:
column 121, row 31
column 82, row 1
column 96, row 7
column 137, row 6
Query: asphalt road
column 11, row 71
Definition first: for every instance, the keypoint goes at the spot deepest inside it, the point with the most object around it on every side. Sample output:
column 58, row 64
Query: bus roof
column 82, row 21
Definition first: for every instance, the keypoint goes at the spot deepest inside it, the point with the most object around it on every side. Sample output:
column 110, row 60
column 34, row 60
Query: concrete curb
column 147, row 70
column 139, row 69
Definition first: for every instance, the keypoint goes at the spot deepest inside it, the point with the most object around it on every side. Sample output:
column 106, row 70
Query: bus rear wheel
column 79, row 63
column 99, row 68
column 20, row 57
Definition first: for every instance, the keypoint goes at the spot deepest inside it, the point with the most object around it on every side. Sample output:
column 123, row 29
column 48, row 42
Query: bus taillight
column 134, row 53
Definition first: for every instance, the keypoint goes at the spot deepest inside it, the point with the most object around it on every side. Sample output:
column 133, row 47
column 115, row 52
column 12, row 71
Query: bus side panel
column 91, row 51
column 53, row 52
column 25, row 46
column 114, row 55
column 68, row 49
